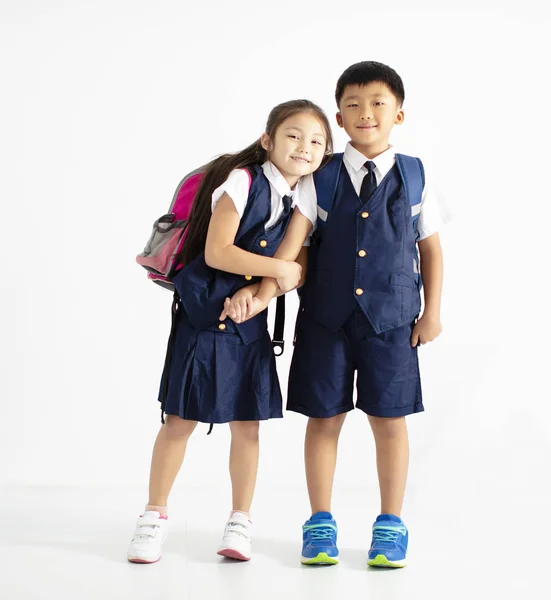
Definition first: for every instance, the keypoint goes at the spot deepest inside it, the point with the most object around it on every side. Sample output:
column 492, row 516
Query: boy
column 360, row 305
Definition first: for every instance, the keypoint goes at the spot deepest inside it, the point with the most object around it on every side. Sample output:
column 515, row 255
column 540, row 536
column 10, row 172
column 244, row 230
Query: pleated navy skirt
column 211, row 376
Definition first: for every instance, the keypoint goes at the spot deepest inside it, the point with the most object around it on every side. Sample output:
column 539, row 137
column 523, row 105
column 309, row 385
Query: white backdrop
column 106, row 105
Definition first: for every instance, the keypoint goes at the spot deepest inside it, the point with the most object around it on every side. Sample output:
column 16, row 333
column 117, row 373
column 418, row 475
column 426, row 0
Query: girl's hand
column 254, row 306
column 290, row 278
column 240, row 304
column 426, row 329
column 257, row 307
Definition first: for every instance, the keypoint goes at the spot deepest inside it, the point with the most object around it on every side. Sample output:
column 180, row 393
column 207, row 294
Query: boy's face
column 368, row 113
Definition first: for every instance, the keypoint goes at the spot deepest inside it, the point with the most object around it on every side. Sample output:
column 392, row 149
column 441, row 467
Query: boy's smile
column 368, row 113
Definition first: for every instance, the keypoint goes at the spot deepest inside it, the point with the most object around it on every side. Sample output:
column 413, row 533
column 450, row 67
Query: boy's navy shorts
column 321, row 379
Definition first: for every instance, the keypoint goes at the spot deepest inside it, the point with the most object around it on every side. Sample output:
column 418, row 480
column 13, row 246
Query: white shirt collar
column 384, row 162
column 276, row 179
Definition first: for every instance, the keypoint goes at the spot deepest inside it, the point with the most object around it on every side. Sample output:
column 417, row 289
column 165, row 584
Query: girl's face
column 298, row 146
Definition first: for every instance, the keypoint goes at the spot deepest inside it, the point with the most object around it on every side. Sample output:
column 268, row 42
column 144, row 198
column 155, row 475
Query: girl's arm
column 249, row 301
column 301, row 259
column 222, row 253
column 245, row 303
column 290, row 249
column 428, row 327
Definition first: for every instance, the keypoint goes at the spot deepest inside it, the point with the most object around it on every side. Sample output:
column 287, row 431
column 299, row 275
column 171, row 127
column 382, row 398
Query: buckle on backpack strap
column 278, row 346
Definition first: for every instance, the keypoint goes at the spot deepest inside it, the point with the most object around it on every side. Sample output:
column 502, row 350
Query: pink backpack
column 167, row 239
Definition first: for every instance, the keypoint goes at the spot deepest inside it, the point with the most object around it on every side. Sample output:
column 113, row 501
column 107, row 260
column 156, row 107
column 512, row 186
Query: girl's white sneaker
column 150, row 535
column 236, row 542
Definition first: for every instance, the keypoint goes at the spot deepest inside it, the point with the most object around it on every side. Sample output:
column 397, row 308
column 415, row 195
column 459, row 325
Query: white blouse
column 303, row 195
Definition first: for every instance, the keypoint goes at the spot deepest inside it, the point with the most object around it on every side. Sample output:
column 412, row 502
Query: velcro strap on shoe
column 152, row 521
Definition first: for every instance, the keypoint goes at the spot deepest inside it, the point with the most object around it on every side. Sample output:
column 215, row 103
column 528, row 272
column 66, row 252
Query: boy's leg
column 236, row 542
column 389, row 388
column 321, row 386
column 319, row 533
column 321, row 383
column 390, row 535
column 391, row 442
column 320, row 458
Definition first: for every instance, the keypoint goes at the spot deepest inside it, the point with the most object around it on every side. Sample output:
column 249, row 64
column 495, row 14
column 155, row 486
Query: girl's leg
column 391, row 441
column 236, row 541
column 243, row 463
column 320, row 458
column 168, row 454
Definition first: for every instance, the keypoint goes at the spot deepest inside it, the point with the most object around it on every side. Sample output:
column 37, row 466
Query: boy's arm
column 428, row 327
column 302, row 260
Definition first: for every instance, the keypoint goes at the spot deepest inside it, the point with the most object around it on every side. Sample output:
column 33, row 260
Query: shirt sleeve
column 434, row 213
column 237, row 187
column 307, row 203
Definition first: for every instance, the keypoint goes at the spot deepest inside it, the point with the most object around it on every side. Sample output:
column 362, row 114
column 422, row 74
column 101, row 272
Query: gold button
column 365, row 215
column 362, row 253
column 359, row 292
column 248, row 277
column 222, row 326
column 263, row 243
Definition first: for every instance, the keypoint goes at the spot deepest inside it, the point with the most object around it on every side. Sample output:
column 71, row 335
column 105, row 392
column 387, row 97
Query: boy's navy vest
column 202, row 289
column 366, row 254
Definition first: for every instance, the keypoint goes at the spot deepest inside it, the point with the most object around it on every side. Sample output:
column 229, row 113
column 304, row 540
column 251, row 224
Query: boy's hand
column 290, row 278
column 425, row 330
column 239, row 305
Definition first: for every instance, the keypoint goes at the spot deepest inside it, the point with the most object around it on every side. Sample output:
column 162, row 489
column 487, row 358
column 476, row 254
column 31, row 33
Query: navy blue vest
column 202, row 289
column 365, row 255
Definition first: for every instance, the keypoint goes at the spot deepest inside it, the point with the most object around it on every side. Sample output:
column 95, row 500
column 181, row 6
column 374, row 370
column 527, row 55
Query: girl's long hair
column 218, row 170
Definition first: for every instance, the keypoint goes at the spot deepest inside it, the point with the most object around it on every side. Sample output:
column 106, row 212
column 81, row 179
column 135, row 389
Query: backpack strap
column 250, row 173
column 413, row 177
column 326, row 181
column 198, row 171
column 278, row 343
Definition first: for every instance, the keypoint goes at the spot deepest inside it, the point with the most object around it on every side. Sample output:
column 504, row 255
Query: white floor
column 71, row 543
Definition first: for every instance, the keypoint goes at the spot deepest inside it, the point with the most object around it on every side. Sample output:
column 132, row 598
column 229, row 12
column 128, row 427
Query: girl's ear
column 265, row 141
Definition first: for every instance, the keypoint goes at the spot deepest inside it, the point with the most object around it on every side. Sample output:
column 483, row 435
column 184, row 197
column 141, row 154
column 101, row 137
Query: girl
column 219, row 371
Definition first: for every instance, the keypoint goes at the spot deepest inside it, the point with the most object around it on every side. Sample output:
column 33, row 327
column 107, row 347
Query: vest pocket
column 406, row 287
column 402, row 280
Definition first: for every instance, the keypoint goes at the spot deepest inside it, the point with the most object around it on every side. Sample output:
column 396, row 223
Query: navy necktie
column 369, row 183
column 287, row 204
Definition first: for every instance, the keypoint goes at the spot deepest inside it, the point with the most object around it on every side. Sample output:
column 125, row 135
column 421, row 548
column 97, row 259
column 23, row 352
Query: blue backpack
column 327, row 179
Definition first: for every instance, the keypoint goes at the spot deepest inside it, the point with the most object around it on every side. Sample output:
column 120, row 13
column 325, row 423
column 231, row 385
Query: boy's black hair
column 366, row 72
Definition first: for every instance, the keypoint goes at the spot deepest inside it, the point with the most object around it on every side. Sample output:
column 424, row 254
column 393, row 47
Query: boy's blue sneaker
column 389, row 544
column 319, row 540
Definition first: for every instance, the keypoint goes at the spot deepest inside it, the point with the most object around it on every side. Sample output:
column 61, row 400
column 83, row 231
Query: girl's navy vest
column 365, row 254
column 202, row 289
